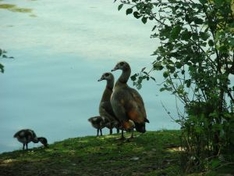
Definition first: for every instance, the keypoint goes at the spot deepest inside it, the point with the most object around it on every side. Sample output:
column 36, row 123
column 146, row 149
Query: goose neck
column 110, row 84
column 124, row 76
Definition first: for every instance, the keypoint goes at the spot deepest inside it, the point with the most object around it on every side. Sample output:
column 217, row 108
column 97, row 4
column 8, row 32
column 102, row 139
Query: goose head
column 140, row 127
column 126, row 71
column 43, row 141
column 107, row 76
column 122, row 65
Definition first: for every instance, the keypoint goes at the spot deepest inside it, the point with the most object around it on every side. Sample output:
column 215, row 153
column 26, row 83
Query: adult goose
column 26, row 136
column 127, row 103
column 105, row 108
column 99, row 123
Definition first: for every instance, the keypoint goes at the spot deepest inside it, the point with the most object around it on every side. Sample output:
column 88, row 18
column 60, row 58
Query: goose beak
column 102, row 78
column 116, row 68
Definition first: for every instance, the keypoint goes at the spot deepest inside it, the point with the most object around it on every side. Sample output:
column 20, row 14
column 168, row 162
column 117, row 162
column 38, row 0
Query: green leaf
column 133, row 77
column 1, row 68
column 198, row 21
column 195, row 36
column 175, row 31
column 231, row 41
column 154, row 28
column 129, row 11
column 172, row 69
column 152, row 78
column 188, row 82
column 136, row 14
column 211, row 43
column 162, row 89
column 157, row 66
column 204, row 35
column 215, row 163
column 203, row 1
column 144, row 20
column 166, row 31
column 120, row 6
column 185, row 35
column 165, row 74
column 219, row 2
column 178, row 65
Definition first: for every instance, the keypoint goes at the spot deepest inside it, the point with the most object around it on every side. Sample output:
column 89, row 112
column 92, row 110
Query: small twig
column 169, row 114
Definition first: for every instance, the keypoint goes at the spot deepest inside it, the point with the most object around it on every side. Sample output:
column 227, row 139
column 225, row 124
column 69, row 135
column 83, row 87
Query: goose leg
column 111, row 131
column 101, row 131
column 132, row 134
column 122, row 135
column 131, row 137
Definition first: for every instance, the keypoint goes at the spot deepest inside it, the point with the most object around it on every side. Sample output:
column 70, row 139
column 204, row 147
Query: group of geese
column 121, row 106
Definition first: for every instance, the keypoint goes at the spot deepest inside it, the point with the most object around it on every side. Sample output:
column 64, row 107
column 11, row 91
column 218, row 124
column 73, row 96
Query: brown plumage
column 127, row 103
column 99, row 123
column 26, row 136
column 105, row 108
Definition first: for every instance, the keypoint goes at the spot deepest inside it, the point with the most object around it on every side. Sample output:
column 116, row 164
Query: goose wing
column 105, row 110
column 135, row 106
column 128, row 104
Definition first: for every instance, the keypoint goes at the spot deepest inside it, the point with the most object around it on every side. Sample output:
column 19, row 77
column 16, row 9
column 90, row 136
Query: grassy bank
column 152, row 153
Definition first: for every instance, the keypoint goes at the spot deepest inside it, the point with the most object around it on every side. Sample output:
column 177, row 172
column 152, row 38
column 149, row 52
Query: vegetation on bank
column 194, row 53
column 153, row 153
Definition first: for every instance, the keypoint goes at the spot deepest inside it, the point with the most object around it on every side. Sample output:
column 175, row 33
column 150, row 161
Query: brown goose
column 127, row 103
column 99, row 123
column 26, row 136
column 105, row 108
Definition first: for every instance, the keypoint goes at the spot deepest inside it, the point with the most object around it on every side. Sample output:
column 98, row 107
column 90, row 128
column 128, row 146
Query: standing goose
column 26, row 136
column 99, row 123
column 127, row 103
column 105, row 108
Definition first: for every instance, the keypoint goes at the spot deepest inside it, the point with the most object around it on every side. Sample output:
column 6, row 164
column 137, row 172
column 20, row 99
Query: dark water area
column 51, row 86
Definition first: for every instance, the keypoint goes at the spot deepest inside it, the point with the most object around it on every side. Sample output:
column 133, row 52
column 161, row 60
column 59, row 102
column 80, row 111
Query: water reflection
column 51, row 85
column 15, row 8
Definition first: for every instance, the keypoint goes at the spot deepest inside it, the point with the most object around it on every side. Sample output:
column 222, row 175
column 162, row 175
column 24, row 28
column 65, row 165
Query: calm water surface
column 60, row 51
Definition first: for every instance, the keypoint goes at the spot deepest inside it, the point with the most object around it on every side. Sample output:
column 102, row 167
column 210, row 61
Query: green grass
column 150, row 154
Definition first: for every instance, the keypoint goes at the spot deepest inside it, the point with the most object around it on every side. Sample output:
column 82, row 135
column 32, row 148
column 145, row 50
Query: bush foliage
column 196, row 56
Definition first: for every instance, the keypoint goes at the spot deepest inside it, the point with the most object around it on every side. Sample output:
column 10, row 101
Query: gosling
column 26, row 136
column 99, row 123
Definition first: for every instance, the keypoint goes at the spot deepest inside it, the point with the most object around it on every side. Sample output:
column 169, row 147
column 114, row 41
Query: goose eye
column 121, row 63
column 107, row 74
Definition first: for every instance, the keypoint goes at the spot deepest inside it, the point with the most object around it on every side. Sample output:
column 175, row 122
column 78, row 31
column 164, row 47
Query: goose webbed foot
column 130, row 138
column 122, row 138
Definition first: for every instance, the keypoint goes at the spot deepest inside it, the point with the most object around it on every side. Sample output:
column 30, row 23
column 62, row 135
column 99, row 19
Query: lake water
column 60, row 52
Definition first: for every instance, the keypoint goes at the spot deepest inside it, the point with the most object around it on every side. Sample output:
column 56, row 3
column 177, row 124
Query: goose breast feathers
column 105, row 108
